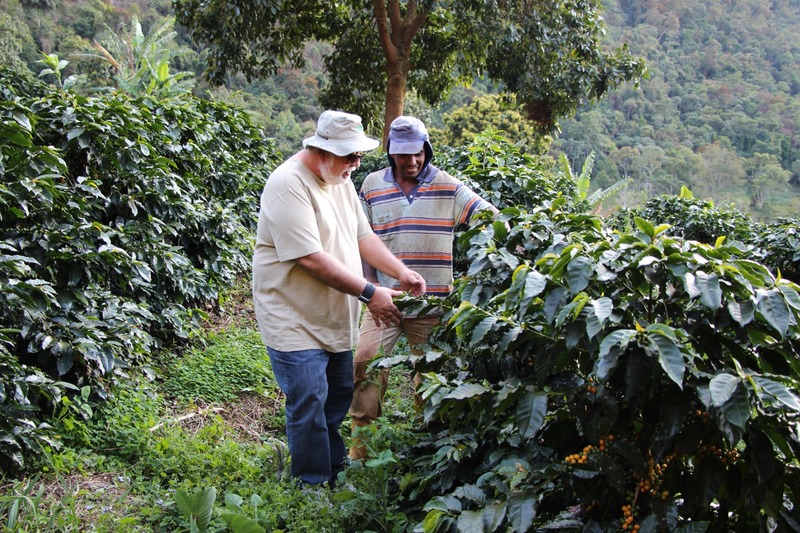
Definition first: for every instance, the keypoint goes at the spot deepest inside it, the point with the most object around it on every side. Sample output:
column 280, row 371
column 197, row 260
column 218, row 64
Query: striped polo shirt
column 418, row 228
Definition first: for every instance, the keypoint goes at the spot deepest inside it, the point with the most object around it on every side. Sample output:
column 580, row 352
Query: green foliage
column 235, row 362
column 54, row 66
column 774, row 244
column 281, row 506
column 584, row 178
column 118, row 219
column 31, row 506
column 142, row 62
column 144, row 455
column 367, row 501
column 22, row 389
column 694, row 108
column 44, row 4
column 497, row 112
column 70, row 417
column 15, row 41
column 780, row 243
column 764, row 173
column 134, row 427
column 349, row 88
column 503, row 174
column 549, row 56
column 212, row 456
column 26, row 507
column 693, row 105
column 238, row 520
column 122, row 424
column 254, row 38
column 575, row 408
column 197, row 507
column 689, row 218
column 582, row 371
column 380, row 52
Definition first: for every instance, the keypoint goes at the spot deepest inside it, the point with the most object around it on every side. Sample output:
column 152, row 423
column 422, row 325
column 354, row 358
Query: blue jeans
column 319, row 388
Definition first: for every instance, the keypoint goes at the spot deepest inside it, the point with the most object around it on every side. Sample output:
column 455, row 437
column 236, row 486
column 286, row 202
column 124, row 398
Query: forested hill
column 720, row 112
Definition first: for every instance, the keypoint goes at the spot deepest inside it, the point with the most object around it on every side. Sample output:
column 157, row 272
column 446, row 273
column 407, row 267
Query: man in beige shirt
column 307, row 284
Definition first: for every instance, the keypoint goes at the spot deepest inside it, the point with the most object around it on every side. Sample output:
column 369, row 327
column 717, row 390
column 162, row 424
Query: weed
column 93, row 504
column 122, row 424
column 126, row 464
column 284, row 506
column 365, row 497
column 235, row 361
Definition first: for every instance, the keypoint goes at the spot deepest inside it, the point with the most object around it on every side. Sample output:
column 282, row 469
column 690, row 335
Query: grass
column 211, row 418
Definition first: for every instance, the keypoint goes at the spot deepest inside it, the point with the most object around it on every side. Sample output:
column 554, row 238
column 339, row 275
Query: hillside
column 720, row 112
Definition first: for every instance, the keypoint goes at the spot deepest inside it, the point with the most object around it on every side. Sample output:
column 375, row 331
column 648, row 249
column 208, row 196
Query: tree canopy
column 548, row 53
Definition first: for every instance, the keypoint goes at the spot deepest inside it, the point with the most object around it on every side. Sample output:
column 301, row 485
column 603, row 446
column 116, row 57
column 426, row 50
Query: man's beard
column 328, row 176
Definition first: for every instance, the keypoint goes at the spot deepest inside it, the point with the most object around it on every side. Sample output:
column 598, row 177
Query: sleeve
column 292, row 217
column 467, row 204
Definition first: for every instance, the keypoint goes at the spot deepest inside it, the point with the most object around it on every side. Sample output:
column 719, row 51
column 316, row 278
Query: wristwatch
column 366, row 294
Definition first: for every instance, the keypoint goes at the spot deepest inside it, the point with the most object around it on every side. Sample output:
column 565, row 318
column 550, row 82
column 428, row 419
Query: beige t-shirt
column 301, row 215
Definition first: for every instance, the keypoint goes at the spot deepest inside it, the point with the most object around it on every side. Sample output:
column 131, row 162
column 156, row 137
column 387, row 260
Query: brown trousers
column 370, row 389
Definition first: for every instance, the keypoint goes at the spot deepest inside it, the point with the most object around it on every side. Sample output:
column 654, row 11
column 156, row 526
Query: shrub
column 775, row 244
column 120, row 220
column 588, row 379
column 21, row 390
column 281, row 506
column 503, row 174
column 210, row 455
column 690, row 218
column 121, row 425
column 779, row 243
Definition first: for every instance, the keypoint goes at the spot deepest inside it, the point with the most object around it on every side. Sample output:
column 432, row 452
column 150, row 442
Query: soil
column 235, row 310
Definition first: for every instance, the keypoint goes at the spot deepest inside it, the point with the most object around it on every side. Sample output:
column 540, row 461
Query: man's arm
column 333, row 273
column 375, row 252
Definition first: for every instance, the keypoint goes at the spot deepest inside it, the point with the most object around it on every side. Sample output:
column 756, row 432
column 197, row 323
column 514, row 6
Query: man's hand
column 382, row 307
column 412, row 283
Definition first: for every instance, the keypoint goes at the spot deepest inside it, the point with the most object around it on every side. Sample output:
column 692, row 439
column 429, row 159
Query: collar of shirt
column 426, row 176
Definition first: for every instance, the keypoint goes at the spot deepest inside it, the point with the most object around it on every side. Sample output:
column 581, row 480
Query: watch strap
column 367, row 293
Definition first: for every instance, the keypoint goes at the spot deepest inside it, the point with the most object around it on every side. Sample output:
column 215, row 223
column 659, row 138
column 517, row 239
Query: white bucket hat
column 341, row 134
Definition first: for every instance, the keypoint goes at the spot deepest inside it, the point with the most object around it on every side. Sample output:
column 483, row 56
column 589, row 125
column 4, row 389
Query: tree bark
column 396, row 35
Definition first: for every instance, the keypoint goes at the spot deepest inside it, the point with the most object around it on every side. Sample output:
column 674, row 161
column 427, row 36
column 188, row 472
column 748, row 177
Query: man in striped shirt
column 414, row 208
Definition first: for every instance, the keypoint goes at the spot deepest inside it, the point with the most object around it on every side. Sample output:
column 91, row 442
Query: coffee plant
column 779, row 243
column 774, row 244
column 503, row 174
column 591, row 379
column 689, row 218
column 120, row 220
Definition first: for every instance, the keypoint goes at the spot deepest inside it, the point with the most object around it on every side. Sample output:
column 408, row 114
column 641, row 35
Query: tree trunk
column 396, row 33
column 395, row 96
